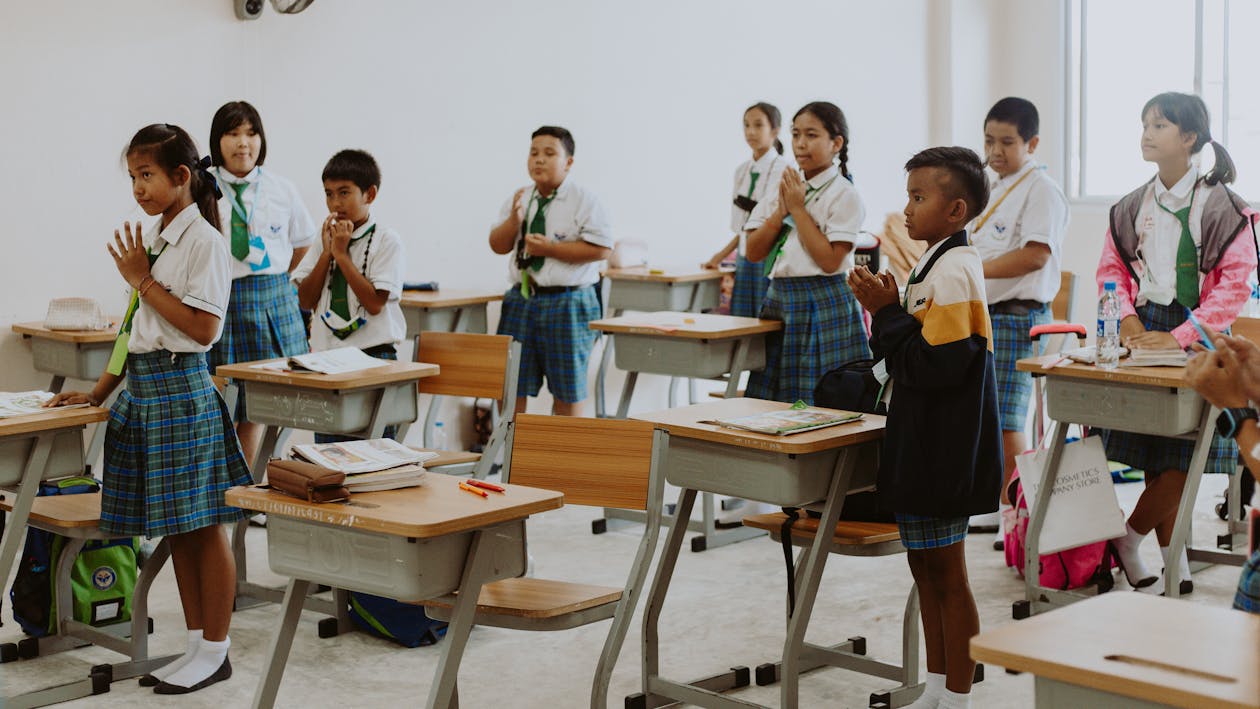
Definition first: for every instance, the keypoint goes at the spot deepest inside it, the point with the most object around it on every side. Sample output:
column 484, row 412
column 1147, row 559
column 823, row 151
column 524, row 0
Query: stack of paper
column 1155, row 358
column 24, row 403
column 338, row 361
column 391, row 479
column 353, row 457
column 778, row 423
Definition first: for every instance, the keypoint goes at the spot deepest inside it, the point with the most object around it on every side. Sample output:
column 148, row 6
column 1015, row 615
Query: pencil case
column 425, row 286
column 308, row 482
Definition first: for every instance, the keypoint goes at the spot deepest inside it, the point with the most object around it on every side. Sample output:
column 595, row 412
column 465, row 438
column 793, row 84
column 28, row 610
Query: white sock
column 933, row 687
column 954, row 700
column 1127, row 547
column 209, row 658
column 170, row 668
column 1183, row 564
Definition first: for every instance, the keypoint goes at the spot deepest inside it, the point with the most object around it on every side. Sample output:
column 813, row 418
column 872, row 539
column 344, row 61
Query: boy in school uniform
column 1020, row 239
column 942, row 451
column 351, row 279
column 559, row 234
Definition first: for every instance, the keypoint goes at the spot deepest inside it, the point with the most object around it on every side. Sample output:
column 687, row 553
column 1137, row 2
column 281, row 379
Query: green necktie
column 788, row 225
column 752, row 183
column 338, row 290
column 537, row 225
column 118, row 356
column 1187, row 265
column 240, row 230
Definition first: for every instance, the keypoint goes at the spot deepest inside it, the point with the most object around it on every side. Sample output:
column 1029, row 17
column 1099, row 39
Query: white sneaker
column 985, row 523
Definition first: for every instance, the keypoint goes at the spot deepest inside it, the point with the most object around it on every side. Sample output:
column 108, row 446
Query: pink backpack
column 1067, row 569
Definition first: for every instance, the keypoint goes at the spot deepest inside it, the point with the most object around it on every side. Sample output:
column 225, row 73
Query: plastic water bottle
column 1108, row 354
column 1252, row 309
column 439, row 436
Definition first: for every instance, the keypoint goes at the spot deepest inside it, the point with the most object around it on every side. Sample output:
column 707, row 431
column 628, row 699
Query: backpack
column 404, row 623
column 1071, row 568
column 102, row 578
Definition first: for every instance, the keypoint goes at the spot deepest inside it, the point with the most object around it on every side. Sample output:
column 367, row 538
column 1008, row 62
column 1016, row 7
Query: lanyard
column 985, row 219
column 237, row 207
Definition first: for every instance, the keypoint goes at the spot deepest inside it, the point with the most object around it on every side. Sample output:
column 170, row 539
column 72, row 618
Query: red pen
column 486, row 486
column 473, row 490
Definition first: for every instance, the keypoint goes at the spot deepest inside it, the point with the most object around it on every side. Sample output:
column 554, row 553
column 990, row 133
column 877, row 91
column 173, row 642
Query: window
column 1123, row 52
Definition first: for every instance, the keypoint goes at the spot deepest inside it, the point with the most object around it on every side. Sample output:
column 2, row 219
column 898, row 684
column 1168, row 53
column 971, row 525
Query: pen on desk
column 1057, row 362
column 468, row 488
column 1207, row 341
column 486, row 486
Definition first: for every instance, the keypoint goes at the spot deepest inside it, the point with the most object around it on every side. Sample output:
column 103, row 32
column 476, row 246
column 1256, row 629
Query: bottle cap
column 1109, row 286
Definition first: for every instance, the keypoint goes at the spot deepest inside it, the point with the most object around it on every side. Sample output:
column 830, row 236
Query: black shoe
column 1140, row 583
column 149, row 681
column 224, row 672
column 999, row 545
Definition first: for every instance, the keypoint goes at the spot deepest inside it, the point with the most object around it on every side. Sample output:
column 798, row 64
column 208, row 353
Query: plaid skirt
column 1247, row 598
column 1154, row 454
column 263, row 321
column 822, row 329
column 923, row 532
column 750, row 288
column 1011, row 344
column 556, row 339
column 170, row 450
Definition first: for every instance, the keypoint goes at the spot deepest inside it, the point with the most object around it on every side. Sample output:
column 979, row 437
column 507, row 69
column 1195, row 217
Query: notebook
column 788, row 421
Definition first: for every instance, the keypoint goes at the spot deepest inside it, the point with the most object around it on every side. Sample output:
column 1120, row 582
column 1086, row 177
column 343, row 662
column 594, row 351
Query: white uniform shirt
column 769, row 171
column 385, row 264
column 1034, row 211
column 1159, row 233
column 276, row 213
column 575, row 214
column 192, row 264
column 838, row 212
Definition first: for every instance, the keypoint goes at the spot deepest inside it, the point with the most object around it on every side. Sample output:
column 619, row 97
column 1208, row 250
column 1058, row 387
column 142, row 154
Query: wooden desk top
column 37, row 329
column 436, row 508
column 74, row 511
column 1147, row 376
column 686, row 422
column 52, row 419
column 692, row 326
column 447, row 298
column 1136, row 645
column 388, row 373
column 666, row 274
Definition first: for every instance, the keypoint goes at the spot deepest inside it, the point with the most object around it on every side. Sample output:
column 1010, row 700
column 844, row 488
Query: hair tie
column 203, row 165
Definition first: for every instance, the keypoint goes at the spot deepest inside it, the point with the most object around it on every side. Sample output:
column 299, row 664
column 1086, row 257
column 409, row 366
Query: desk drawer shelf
column 65, row 458
column 682, row 357
column 68, row 359
column 650, row 296
column 328, row 411
column 471, row 319
column 1153, row 410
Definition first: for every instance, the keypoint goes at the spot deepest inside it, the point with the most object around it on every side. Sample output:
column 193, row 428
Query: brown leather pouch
column 309, row 482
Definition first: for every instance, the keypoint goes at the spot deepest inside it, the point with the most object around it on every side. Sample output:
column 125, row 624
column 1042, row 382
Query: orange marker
column 485, row 485
column 473, row 490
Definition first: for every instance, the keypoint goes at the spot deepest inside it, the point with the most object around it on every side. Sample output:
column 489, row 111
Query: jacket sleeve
column 1227, row 287
column 937, row 353
column 1111, row 268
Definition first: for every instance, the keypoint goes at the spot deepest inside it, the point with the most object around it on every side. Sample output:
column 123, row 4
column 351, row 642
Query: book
column 389, row 479
column 338, row 361
column 25, row 403
column 788, row 421
column 1087, row 355
column 352, row 457
column 1155, row 358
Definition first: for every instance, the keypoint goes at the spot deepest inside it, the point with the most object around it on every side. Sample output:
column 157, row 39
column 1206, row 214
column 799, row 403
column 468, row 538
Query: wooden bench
column 849, row 538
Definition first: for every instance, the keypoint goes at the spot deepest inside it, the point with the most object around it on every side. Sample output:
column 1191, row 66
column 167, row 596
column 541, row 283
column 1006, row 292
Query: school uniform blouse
column 769, row 169
column 838, row 212
column 1033, row 211
column 385, row 265
column 276, row 213
column 192, row 263
column 574, row 214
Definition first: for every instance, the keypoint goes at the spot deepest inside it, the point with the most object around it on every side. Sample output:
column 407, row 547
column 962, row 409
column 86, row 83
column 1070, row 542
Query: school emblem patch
column 103, row 578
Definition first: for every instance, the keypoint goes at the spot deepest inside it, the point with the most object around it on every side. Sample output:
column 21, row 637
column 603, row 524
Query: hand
column 1214, row 375
column 714, row 263
column 537, row 245
column 873, row 291
column 518, row 206
column 1247, row 354
column 129, row 255
column 1152, row 340
column 792, row 192
column 67, row 398
column 339, row 237
column 1130, row 327
column 325, row 233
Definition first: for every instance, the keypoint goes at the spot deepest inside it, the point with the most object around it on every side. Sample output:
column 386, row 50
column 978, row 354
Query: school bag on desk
column 102, row 578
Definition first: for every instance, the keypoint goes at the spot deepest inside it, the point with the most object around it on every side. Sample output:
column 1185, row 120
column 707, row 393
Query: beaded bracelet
column 144, row 287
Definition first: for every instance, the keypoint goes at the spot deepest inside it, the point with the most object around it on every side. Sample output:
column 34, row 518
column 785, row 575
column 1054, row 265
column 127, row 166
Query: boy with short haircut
column 942, row 451
column 1020, row 239
column 559, row 234
column 352, row 276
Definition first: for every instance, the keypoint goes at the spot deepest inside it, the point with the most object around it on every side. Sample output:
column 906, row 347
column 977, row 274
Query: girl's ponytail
column 205, row 192
column 844, row 161
column 1223, row 171
column 778, row 146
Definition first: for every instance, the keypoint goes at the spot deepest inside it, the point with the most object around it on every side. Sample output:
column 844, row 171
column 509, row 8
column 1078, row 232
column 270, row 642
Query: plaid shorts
column 170, row 450
column 262, row 322
column 1248, row 596
column 556, row 339
column 750, row 288
column 1154, row 454
column 1010, row 344
column 822, row 329
column 388, row 352
column 924, row 532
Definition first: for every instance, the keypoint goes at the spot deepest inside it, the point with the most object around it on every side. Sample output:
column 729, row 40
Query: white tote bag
column 1083, row 507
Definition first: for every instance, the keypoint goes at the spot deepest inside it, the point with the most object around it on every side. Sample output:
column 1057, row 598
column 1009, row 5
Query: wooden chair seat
column 848, row 537
column 68, row 515
column 449, row 457
column 536, row 598
column 722, row 394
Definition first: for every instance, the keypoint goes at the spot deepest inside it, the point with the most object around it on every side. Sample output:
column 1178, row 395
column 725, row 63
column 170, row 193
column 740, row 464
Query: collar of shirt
column 179, row 224
column 225, row 176
column 1178, row 193
column 1003, row 182
column 927, row 255
column 821, row 178
column 763, row 164
column 358, row 233
column 556, row 194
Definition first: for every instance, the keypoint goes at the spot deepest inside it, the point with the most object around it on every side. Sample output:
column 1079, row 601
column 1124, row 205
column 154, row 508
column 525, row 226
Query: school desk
column 411, row 544
column 1150, row 400
column 360, row 404
column 699, row 345
column 812, row 468
column 650, row 290
column 448, row 310
column 1132, row 650
column 73, row 354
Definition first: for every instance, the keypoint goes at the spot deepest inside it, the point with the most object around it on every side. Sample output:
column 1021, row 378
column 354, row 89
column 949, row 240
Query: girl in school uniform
column 1181, row 242
column 170, row 451
column 803, row 234
column 268, row 231
column 755, row 178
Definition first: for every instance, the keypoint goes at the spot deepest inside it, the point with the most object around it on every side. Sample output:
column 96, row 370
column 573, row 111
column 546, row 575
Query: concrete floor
column 725, row 609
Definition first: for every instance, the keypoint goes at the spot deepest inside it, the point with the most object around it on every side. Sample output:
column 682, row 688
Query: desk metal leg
column 58, row 381
column 281, row 642
column 601, row 374
column 477, row 568
column 627, row 392
column 1181, row 527
column 96, row 442
column 15, row 530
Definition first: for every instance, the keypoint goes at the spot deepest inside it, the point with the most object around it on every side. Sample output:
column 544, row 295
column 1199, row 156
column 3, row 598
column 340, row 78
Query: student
column 804, row 235
column 1229, row 378
column 559, row 234
column 1180, row 242
column 1020, row 239
column 180, row 278
column 942, row 455
column 351, row 279
column 755, row 178
column 268, row 231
